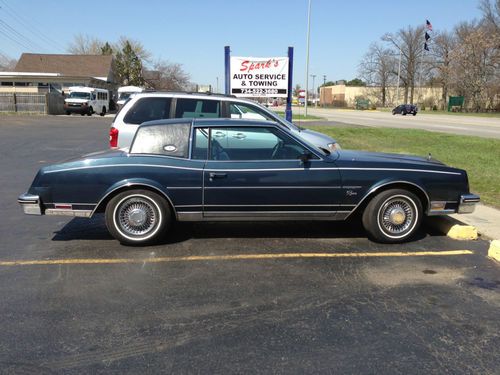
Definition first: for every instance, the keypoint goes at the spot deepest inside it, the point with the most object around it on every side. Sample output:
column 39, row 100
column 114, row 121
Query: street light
column 390, row 38
column 307, row 55
column 314, row 92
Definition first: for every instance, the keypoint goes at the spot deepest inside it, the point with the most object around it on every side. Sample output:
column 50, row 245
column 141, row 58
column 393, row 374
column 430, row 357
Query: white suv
column 150, row 106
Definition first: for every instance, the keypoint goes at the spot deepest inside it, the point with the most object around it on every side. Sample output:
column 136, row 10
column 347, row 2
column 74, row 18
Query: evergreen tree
column 128, row 66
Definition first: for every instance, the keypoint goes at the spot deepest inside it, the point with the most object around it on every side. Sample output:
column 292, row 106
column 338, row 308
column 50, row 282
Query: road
column 487, row 127
column 221, row 297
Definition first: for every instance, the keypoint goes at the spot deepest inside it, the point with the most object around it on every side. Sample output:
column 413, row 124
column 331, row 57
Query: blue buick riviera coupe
column 227, row 170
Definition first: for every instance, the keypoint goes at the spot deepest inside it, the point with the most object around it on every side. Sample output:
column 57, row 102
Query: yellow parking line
column 230, row 257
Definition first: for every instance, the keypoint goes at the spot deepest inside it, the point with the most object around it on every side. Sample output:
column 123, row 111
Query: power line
column 30, row 27
column 16, row 33
column 6, row 33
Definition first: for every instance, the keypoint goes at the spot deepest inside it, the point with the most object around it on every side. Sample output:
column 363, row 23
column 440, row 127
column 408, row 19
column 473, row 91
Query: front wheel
column 90, row 111
column 393, row 216
column 138, row 217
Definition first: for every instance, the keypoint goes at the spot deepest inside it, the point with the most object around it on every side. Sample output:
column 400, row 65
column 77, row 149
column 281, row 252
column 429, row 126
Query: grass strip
column 480, row 157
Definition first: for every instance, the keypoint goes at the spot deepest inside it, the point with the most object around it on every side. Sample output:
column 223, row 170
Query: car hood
column 364, row 156
column 316, row 138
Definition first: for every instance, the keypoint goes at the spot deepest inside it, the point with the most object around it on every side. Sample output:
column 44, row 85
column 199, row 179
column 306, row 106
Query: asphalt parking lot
column 228, row 297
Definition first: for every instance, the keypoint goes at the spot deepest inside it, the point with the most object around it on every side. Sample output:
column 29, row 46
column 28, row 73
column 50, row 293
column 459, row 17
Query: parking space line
column 8, row 263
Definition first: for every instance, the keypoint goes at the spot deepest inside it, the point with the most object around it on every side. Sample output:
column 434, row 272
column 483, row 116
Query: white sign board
column 259, row 76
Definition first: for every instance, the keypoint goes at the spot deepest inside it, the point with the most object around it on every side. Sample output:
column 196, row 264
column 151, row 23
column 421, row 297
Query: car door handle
column 214, row 175
column 220, row 134
column 239, row 136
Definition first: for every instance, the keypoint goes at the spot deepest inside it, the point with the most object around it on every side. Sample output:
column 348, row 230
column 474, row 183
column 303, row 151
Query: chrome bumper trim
column 468, row 203
column 30, row 204
column 65, row 212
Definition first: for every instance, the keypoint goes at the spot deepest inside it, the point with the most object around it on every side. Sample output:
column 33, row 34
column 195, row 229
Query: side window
column 170, row 140
column 193, row 108
column 148, row 109
column 241, row 110
column 247, row 143
column 200, row 144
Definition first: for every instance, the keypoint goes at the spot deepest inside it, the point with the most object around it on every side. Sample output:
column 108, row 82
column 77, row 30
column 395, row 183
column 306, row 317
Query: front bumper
column 30, row 204
column 468, row 203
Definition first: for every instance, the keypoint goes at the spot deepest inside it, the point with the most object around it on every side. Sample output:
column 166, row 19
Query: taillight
column 113, row 137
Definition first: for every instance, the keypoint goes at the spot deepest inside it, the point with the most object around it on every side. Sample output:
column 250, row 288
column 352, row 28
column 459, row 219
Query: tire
column 403, row 113
column 393, row 216
column 138, row 217
column 68, row 113
column 414, row 113
column 393, row 112
column 82, row 114
column 103, row 112
column 90, row 111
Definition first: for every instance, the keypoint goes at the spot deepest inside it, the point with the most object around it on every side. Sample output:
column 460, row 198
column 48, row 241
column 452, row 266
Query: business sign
column 259, row 76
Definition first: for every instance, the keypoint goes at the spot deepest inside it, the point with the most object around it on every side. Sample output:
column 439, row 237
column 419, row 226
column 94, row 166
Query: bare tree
column 410, row 42
column 475, row 64
column 138, row 48
column 377, row 68
column 167, row 76
column 491, row 14
column 6, row 63
column 83, row 44
column 441, row 61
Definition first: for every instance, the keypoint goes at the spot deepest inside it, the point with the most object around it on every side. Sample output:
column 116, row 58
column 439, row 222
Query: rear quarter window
column 168, row 140
column 148, row 109
column 194, row 108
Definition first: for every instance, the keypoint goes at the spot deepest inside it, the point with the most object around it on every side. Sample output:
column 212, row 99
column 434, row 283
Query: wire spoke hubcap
column 397, row 215
column 136, row 216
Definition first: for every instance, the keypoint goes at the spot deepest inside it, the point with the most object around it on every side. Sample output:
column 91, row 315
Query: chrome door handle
column 239, row 136
column 214, row 175
column 219, row 134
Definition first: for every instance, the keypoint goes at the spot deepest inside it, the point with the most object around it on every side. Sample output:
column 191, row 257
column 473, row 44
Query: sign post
column 288, row 111
column 227, row 74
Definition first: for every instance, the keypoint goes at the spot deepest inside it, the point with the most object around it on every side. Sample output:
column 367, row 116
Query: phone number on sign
column 260, row 91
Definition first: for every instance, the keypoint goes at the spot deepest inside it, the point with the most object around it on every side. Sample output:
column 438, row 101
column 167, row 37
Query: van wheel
column 138, row 217
column 393, row 216
column 68, row 113
column 90, row 111
column 103, row 112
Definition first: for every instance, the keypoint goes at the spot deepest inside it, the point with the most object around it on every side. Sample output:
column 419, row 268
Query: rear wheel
column 68, row 113
column 103, row 112
column 138, row 217
column 393, row 216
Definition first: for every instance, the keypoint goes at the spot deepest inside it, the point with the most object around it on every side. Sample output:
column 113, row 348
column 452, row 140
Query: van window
column 193, row 108
column 148, row 109
column 169, row 140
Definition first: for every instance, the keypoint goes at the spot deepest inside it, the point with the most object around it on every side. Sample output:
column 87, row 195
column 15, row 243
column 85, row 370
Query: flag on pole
column 428, row 24
column 427, row 36
column 426, row 46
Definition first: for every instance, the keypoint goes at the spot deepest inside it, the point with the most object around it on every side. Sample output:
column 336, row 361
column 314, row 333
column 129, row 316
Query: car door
column 255, row 172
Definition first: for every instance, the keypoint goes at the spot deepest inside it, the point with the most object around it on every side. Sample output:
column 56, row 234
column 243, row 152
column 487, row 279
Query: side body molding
column 137, row 183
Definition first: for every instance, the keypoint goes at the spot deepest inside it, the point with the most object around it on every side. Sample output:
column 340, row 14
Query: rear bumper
column 468, row 203
column 30, row 204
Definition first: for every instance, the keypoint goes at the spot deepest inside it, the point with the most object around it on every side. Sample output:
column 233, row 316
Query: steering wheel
column 276, row 149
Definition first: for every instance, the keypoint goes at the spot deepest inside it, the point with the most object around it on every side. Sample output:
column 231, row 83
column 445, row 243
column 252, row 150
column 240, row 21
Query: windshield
column 280, row 119
column 79, row 95
column 124, row 95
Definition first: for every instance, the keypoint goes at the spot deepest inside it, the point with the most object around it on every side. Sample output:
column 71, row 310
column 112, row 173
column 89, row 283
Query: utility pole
column 307, row 56
column 314, row 92
column 217, row 85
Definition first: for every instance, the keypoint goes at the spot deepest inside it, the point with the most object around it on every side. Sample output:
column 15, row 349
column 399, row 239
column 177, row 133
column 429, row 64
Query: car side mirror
column 305, row 157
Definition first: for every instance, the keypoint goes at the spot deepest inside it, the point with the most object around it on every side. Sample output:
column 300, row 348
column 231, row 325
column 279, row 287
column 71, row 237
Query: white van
column 124, row 94
column 86, row 100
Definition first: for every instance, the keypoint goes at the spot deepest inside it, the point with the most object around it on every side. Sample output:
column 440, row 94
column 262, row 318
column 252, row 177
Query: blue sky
column 194, row 32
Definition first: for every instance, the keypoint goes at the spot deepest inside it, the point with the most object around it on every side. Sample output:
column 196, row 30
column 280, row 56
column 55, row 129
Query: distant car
column 405, row 109
column 151, row 106
column 244, row 170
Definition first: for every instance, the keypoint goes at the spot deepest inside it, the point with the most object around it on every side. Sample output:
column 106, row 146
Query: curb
column 494, row 250
column 453, row 228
